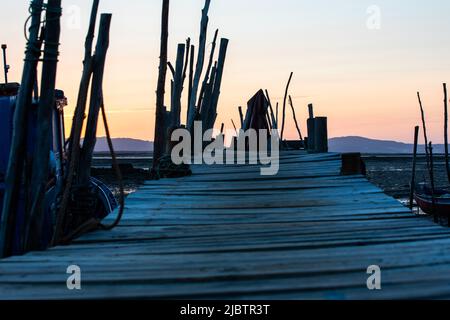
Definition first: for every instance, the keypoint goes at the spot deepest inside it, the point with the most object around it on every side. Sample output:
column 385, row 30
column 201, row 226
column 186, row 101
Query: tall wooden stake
column 295, row 118
column 272, row 115
column 424, row 131
column 447, row 160
column 241, row 116
column 96, row 99
column 430, row 149
column 191, row 75
column 77, row 123
column 177, row 88
column 284, row 105
column 18, row 145
column 217, row 82
column 35, row 217
column 199, row 68
column 160, row 91
column 413, row 176
column 208, row 69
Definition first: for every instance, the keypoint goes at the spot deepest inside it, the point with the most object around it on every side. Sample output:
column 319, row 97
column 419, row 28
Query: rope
column 95, row 224
column 33, row 46
column 117, row 171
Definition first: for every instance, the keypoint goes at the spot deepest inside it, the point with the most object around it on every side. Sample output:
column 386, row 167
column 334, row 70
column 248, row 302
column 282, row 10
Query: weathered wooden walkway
column 227, row 232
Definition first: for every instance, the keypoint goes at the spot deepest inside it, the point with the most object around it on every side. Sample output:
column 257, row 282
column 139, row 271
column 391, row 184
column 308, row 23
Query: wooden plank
column 229, row 233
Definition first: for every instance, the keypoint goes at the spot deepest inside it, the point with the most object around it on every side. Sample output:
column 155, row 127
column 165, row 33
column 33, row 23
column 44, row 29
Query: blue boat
column 105, row 201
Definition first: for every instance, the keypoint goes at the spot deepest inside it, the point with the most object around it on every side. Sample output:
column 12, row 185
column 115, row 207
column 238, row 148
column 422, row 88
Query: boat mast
column 5, row 65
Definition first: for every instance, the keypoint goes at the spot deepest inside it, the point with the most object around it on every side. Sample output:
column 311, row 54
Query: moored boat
column 432, row 202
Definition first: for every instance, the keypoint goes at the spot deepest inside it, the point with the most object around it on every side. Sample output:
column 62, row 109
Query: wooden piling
column 34, row 220
column 295, row 118
column 430, row 149
column 320, row 135
column 352, row 164
column 101, row 49
column 192, row 108
column 422, row 113
column 273, row 118
column 310, row 128
column 208, row 69
column 177, row 88
column 160, row 126
column 241, row 116
column 217, row 82
column 191, row 75
column 14, row 172
column 284, row 105
column 447, row 160
column 77, row 123
column 413, row 176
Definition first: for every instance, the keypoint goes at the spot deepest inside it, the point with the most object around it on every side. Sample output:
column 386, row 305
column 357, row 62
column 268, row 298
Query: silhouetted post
column 284, row 105
column 191, row 75
column 413, row 176
column 186, row 60
column 77, row 123
column 447, row 161
column 310, row 125
column 320, row 135
column 208, row 69
column 241, row 116
column 160, row 91
column 295, row 118
column 34, row 220
column 424, row 130
column 217, row 82
column 430, row 149
column 96, row 99
column 177, row 88
column 192, row 109
column 277, row 116
column 14, row 172
column 5, row 64
column 272, row 115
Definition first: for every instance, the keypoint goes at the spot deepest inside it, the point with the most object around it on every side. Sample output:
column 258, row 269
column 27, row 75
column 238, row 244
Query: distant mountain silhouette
column 124, row 145
column 366, row 145
column 342, row 144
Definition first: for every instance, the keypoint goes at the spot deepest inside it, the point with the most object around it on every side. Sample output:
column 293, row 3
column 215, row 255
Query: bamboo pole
column 77, row 123
column 18, row 144
column 177, row 87
column 34, row 219
column 413, row 176
column 160, row 91
column 284, row 105
column 98, row 70
column 199, row 68
column 295, row 118
column 447, row 160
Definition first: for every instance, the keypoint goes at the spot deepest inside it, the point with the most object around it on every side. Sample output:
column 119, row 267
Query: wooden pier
column 228, row 232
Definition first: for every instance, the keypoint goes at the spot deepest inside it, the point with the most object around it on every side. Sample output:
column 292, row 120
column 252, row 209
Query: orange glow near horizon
column 365, row 81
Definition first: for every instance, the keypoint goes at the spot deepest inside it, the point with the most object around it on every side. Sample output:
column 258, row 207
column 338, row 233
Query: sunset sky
column 360, row 71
